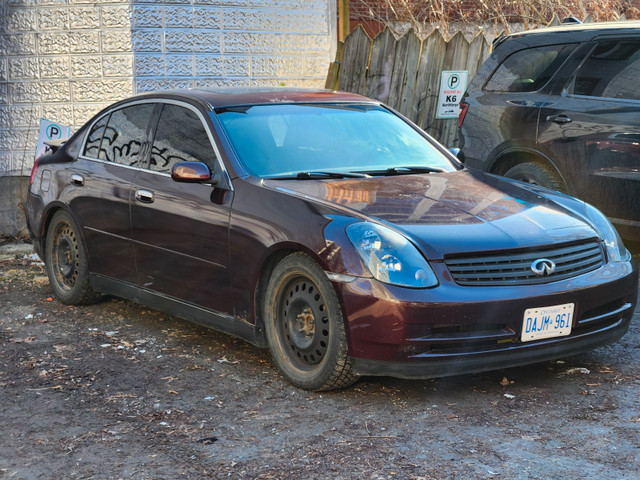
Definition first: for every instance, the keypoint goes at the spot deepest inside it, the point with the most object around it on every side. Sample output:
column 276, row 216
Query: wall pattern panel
column 64, row 60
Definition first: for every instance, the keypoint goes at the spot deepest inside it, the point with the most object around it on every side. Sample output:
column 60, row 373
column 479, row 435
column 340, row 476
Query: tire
column 536, row 173
column 66, row 262
column 305, row 327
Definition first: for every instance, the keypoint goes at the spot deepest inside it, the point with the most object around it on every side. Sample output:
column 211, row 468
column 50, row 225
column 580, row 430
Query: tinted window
column 528, row 70
column 273, row 140
column 125, row 132
column 180, row 137
column 612, row 70
column 94, row 138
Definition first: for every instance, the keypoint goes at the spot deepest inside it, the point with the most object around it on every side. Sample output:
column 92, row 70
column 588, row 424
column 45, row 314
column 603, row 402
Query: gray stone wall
column 66, row 59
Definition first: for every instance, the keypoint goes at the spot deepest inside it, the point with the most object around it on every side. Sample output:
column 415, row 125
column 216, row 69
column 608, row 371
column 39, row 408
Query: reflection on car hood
column 451, row 212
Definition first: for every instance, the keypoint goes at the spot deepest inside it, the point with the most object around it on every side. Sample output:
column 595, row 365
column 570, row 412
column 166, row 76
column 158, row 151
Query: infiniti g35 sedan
column 331, row 230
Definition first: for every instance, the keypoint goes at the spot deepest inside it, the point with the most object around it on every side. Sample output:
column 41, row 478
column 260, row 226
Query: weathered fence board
column 354, row 62
column 402, row 97
column 383, row 56
column 405, row 73
column 431, row 61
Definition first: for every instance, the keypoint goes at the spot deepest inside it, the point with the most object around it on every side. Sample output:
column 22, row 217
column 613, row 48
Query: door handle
column 558, row 119
column 77, row 179
column 144, row 196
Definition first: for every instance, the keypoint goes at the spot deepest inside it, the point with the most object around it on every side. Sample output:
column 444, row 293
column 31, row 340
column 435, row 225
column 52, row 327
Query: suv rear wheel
column 536, row 173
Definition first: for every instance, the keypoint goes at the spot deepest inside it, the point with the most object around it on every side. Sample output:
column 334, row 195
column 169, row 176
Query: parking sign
column 50, row 131
column 452, row 86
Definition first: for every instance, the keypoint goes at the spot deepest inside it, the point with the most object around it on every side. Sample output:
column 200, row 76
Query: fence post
column 333, row 76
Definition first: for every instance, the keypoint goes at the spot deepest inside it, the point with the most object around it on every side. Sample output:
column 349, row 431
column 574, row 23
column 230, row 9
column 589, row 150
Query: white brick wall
column 66, row 59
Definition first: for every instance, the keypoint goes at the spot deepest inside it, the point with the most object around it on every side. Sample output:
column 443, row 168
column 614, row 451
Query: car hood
column 450, row 212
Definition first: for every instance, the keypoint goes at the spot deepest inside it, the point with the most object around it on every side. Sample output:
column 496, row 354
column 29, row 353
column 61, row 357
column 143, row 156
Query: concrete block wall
column 64, row 60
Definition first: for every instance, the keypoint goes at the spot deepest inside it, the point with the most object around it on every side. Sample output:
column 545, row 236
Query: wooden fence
column 405, row 73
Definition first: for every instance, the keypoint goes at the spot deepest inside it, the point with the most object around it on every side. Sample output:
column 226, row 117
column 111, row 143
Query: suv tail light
column 33, row 171
column 464, row 107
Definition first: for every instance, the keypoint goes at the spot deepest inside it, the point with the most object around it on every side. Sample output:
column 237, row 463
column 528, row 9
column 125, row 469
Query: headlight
column 390, row 257
column 616, row 250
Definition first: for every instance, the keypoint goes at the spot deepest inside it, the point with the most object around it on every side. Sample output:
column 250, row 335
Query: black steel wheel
column 305, row 327
column 66, row 262
column 536, row 173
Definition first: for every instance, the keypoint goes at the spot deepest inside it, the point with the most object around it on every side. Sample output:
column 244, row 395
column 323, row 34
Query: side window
column 612, row 70
column 528, row 70
column 180, row 137
column 124, row 134
column 92, row 147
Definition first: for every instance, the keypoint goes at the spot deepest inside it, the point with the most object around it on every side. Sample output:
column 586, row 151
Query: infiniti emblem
column 543, row 266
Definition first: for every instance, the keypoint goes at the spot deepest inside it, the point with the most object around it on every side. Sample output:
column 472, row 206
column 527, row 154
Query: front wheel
column 66, row 262
column 304, row 326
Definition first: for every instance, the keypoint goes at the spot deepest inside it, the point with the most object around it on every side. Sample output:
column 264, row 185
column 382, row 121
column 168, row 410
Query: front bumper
column 451, row 329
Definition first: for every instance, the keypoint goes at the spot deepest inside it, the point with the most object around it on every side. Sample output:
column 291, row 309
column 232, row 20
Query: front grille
column 514, row 268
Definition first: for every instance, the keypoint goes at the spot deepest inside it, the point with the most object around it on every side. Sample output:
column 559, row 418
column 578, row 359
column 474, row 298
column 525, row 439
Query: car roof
column 231, row 97
column 584, row 29
column 505, row 45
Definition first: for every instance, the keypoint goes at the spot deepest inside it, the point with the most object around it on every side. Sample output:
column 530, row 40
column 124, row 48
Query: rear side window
column 612, row 70
column 180, row 137
column 123, row 136
column 528, row 70
column 92, row 147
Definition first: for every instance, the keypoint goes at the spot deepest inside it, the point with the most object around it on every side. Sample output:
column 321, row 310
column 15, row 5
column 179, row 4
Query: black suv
column 560, row 107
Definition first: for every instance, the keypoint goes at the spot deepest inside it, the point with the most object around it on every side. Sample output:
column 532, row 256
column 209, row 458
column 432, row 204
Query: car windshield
column 316, row 140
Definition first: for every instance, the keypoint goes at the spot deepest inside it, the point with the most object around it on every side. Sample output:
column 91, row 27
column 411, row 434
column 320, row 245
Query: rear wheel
column 66, row 262
column 536, row 173
column 305, row 327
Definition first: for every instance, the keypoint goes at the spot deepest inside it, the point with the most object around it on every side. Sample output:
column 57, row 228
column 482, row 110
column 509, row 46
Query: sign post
column 452, row 86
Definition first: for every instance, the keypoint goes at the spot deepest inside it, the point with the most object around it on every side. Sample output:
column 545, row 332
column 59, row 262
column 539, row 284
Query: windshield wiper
column 319, row 174
column 404, row 170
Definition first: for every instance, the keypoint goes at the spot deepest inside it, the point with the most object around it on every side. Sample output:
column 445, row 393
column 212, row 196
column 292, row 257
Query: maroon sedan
column 328, row 228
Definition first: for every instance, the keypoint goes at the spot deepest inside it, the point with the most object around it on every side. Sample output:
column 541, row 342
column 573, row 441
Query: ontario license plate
column 547, row 322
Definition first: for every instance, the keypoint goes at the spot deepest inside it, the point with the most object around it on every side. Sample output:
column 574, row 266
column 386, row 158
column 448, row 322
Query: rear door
column 101, row 180
column 592, row 129
column 503, row 114
column 181, row 230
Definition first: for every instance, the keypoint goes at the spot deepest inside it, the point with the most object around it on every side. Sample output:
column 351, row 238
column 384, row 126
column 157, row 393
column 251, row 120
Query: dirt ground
column 116, row 390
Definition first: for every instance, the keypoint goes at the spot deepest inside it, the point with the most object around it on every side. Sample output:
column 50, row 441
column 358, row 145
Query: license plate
column 547, row 322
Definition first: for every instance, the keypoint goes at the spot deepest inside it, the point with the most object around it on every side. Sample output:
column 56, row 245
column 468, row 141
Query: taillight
column 33, row 171
column 464, row 107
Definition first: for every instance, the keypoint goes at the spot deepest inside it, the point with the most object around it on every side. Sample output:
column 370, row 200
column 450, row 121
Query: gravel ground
column 115, row 390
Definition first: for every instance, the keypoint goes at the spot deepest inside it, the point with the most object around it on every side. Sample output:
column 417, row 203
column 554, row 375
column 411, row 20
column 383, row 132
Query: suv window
column 528, row 70
column 612, row 70
column 124, row 134
column 180, row 137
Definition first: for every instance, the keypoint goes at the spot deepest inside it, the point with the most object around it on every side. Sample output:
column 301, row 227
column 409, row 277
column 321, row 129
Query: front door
column 594, row 130
column 180, row 230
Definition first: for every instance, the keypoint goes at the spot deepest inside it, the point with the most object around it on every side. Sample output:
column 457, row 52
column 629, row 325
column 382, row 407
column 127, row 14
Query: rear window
column 118, row 137
column 528, row 70
column 612, row 71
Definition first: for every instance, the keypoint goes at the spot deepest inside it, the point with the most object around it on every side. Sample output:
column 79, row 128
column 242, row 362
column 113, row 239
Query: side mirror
column 459, row 154
column 191, row 172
